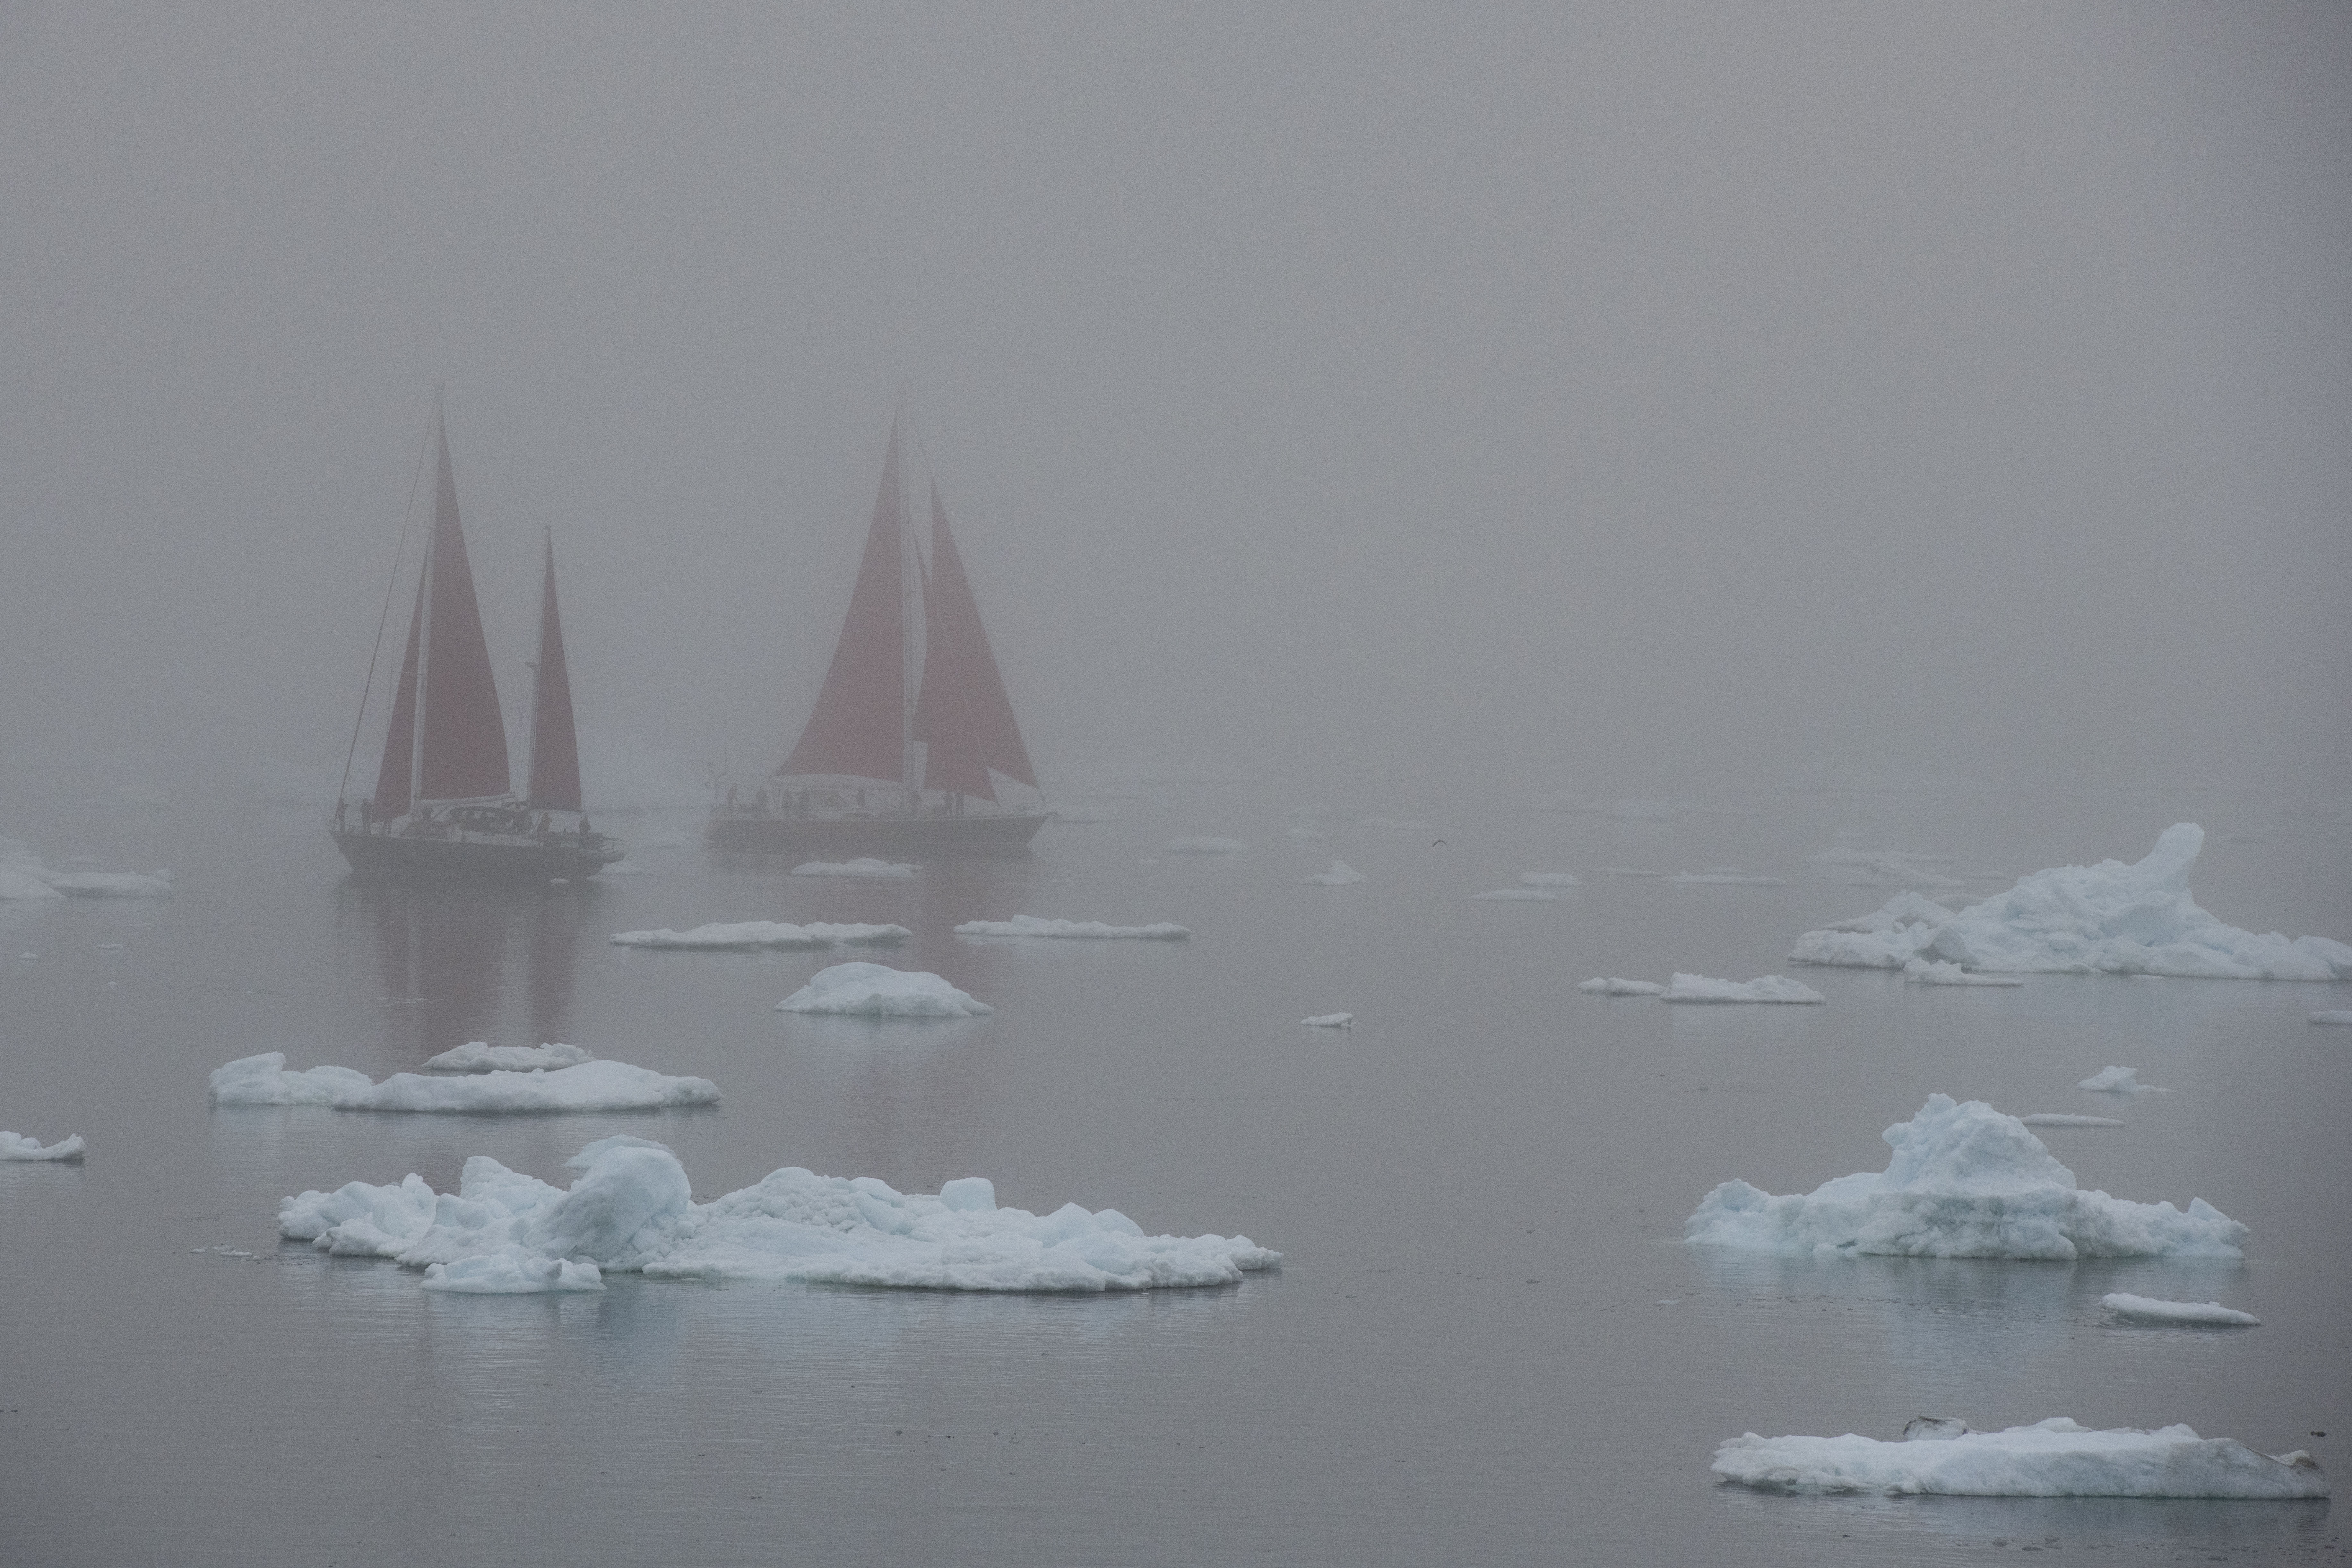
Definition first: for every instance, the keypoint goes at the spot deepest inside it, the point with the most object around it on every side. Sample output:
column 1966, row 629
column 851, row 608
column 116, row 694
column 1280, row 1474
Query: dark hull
column 468, row 860
column 836, row 838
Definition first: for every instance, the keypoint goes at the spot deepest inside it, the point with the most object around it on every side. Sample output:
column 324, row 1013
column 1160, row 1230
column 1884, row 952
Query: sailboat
column 445, row 806
column 912, row 746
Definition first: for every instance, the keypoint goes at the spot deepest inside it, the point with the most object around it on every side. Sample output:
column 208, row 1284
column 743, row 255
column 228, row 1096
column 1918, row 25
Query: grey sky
column 1638, row 396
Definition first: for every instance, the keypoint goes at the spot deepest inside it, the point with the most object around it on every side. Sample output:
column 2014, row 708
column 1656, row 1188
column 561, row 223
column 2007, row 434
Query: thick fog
column 1393, row 399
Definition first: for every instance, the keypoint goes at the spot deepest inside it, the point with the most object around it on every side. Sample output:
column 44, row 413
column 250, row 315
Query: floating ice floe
column 2333, row 1015
column 631, row 1210
column 1727, row 877
column 1548, row 879
column 65, row 1150
column 1340, row 875
column 1519, row 896
column 480, row 1056
column 2119, row 1081
column 1032, row 925
column 2079, row 920
column 1202, row 844
column 1935, row 971
column 25, row 877
column 2151, row 1309
column 1330, row 1021
column 585, row 1086
column 766, row 934
column 2050, row 1458
column 2067, row 1119
column 863, row 865
column 877, row 991
column 1766, row 988
column 1610, row 985
column 1305, row 836
column 1965, row 1182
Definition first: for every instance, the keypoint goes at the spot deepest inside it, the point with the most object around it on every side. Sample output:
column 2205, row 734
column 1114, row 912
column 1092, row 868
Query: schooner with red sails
column 912, row 746
column 445, row 806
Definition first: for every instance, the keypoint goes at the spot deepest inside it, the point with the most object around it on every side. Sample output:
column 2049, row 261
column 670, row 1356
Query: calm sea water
column 1487, row 1344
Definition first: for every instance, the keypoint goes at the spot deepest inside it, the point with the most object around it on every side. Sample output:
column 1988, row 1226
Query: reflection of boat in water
column 445, row 807
column 912, row 746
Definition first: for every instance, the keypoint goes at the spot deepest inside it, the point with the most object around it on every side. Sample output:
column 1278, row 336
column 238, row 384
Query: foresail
column 855, row 729
column 554, row 743
column 400, row 740
column 465, row 748
column 955, row 631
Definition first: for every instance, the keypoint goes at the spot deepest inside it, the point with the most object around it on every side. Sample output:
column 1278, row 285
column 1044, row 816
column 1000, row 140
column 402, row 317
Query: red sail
column 855, row 729
column 400, row 741
column 944, row 714
column 465, row 741
column 955, row 632
column 554, row 745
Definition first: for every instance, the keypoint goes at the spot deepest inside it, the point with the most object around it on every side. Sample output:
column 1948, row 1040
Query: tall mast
column 911, row 611
column 424, row 642
column 539, row 643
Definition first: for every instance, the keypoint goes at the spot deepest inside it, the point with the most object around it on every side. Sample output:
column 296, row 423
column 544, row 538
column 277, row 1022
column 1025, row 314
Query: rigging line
column 385, row 615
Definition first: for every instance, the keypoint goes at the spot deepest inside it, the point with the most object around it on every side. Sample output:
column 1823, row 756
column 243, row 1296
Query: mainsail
column 856, row 728
column 554, row 743
column 964, row 713
column 457, row 749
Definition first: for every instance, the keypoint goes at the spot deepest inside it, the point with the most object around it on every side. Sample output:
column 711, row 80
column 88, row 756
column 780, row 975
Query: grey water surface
column 1487, row 1344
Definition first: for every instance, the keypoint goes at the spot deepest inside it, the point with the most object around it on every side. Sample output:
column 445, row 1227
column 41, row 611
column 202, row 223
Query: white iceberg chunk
column 1548, row 879
column 586, row 1086
column 1330, row 1021
column 2050, row 1458
column 1766, row 988
column 631, row 1210
column 877, row 991
column 65, row 1150
column 2333, row 1015
column 2151, row 1310
column 1926, row 972
column 863, row 865
column 2119, row 1081
column 1032, row 925
column 1519, row 896
column 2108, row 919
column 479, row 1056
column 1202, row 844
column 1610, row 985
column 766, row 934
column 23, row 872
column 1965, row 1182
column 1340, row 875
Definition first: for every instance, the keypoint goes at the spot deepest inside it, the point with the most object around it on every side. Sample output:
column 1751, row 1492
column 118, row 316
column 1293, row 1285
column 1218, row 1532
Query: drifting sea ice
column 1330, row 1021
column 2067, row 1119
column 1032, row 925
column 2151, row 1309
column 863, row 865
column 766, row 934
column 1548, row 879
column 1610, row 985
column 2050, row 1458
column 2079, row 920
column 1340, row 875
column 1767, row 988
column 1922, row 972
column 631, row 1209
column 1203, row 845
column 585, row 1086
column 1519, row 896
column 480, row 1056
column 25, row 876
column 2119, row 1081
column 1965, row 1182
column 65, row 1150
column 877, row 991
column 2333, row 1016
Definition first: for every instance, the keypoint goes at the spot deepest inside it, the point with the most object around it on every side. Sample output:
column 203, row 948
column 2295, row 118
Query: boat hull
column 472, row 859
column 847, row 837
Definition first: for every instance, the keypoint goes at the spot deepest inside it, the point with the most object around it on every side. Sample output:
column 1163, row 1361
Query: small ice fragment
column 2119, row 1081
column 1767, row 988
column 586, row 1086
column 877, row 991
column 2050, row 1458
column 1030, row 925
column 1330, row 1021
column 1340, row 875
column 66, row 1151
column 1548, row 879
column 1203, row 845
column 2151, row 1310
column 723, row 934
column 1610, row 985
column 863, row 865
